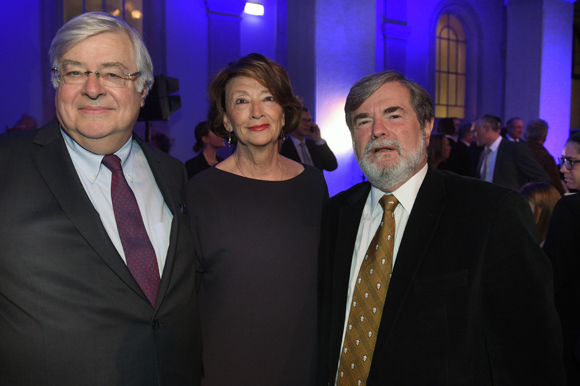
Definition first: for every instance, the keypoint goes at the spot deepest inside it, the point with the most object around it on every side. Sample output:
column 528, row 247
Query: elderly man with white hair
column 98, row 281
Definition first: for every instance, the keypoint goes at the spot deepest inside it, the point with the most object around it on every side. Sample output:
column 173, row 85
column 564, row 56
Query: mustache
column 382, row 142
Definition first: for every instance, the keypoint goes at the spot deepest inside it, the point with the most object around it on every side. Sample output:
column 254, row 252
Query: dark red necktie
column 139, row 251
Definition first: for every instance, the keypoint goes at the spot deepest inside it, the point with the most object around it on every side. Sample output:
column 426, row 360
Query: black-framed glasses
column 109, row 78
column 569, row 163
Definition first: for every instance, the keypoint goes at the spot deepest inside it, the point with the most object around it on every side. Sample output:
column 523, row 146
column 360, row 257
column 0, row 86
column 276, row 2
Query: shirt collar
column 493, row 147
column 406, row 193
column 89, row 163
column 296, row 141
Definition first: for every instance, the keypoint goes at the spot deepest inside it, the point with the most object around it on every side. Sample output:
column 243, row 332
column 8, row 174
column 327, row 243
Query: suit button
column 156, row 325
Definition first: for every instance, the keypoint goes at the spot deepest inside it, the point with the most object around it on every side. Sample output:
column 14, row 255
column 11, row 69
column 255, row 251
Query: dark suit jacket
column 563, row 248
column 547, row 162
column 71, row 313
column 470, row 298
column 459, row 160
column 475, row 155
column 515, row 166
column 322, row 157
column 198, row 164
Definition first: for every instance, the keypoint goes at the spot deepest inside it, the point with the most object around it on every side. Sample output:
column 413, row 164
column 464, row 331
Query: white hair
column 93, row 23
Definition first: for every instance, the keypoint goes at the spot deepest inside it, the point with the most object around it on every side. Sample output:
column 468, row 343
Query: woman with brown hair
column 438, row 150
column 542, row 198
column 255, row 218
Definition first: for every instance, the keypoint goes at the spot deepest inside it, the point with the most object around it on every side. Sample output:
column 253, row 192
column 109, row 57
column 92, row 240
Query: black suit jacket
column 515, row 166
column 71, row 313
column 562, row 245
column 322, row 157
column 470, row 298
column 459, row 160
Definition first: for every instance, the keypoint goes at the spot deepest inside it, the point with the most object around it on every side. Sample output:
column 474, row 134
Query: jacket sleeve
column 520, row 321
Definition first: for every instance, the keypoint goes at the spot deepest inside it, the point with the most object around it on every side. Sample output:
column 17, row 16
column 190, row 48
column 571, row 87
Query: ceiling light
column 254, row 9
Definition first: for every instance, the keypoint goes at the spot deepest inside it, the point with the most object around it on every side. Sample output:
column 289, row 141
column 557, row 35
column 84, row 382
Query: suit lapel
column 54, row 164
column 430, row 201
column 313, row 151
column 348, row 225
column 500, row 160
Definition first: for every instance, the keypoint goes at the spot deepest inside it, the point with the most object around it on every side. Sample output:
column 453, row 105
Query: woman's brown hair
column 543, row 197
column 270, row 74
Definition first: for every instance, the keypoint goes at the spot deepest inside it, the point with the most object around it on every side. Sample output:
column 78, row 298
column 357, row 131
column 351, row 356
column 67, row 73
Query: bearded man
column 427, row 277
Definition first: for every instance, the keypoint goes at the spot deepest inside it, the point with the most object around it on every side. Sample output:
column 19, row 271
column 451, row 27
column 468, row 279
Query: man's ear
column 143, row 94
column 428, row 129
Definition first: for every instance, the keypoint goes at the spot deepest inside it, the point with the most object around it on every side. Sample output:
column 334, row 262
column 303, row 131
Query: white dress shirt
column 96, row 179
column 510, row 138
column 492, row 156
column 371, row 218
column 297, row 143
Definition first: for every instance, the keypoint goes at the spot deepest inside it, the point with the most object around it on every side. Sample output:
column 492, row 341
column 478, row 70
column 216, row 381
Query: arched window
column 129, row 10
column 450, row 68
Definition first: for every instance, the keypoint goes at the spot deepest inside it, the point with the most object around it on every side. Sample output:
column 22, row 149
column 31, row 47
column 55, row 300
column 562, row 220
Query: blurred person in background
column 306, row 145
column 535, row 134
column 207, row 143
column 161, row 141
column 563, row 248
column 438, row 151
column 26, row 122
column 542, row 197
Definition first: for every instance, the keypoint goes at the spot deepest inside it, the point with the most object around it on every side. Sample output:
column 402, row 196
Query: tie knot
column 389, row 202
column 302, row 144
column 112, row 162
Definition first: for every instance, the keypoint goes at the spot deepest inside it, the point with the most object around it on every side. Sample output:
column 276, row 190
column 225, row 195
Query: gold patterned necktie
column 368, row 300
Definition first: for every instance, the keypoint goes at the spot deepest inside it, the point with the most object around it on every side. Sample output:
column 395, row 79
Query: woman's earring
column 229, row 138
column 282, row 137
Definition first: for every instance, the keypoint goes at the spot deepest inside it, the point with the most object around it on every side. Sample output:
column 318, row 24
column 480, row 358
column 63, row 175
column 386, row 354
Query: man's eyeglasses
column 110, row 78
column 569, row 163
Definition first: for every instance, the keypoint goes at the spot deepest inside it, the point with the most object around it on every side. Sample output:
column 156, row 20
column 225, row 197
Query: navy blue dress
column 257, row 245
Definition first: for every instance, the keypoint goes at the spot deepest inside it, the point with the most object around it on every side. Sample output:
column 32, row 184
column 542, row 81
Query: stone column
column 538, row 65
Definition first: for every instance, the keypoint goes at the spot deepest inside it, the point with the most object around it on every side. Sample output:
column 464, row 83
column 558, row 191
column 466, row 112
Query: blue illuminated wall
column 187, row 60
column 20, row 50
column 345, row 52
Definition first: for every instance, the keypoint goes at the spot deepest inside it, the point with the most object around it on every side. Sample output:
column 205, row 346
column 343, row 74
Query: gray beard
column 389, row 176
